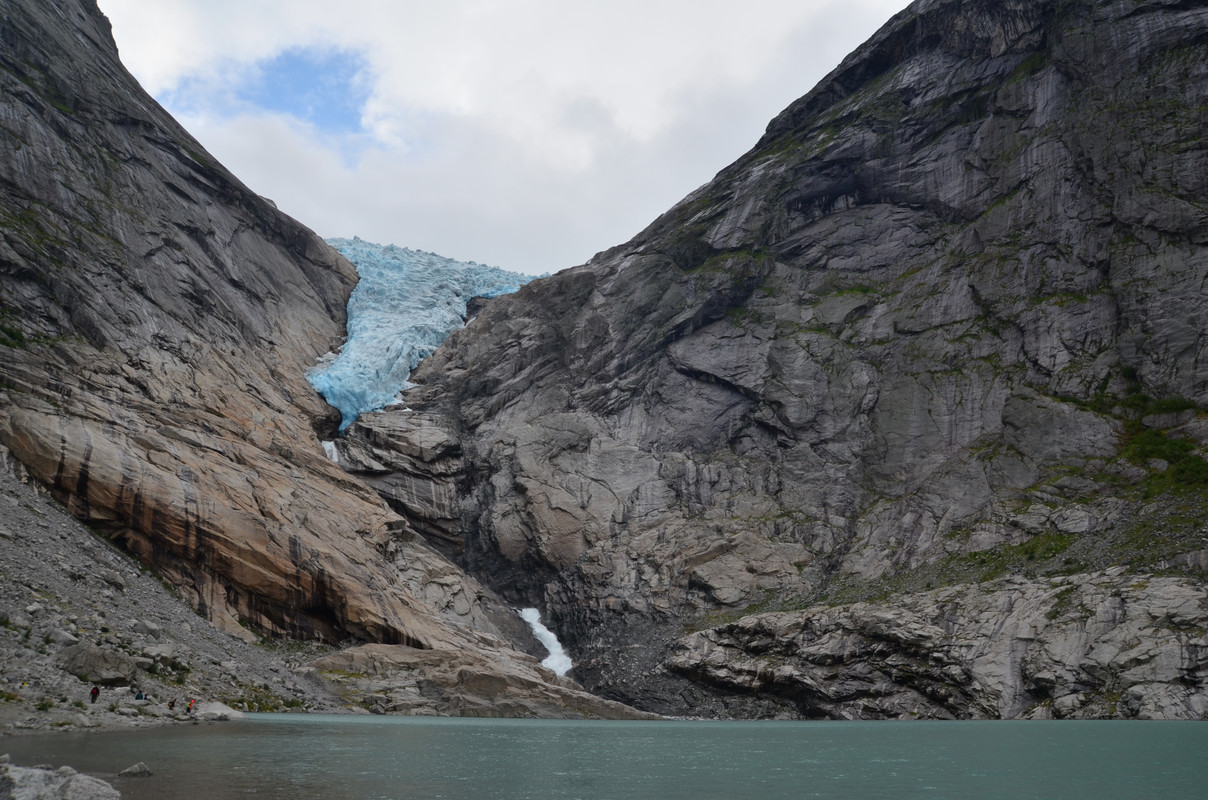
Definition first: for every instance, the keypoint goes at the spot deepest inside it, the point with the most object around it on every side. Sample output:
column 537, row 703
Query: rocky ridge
column 940, row 327
column 157, row 320
column 1085, row 646
column 902, row 414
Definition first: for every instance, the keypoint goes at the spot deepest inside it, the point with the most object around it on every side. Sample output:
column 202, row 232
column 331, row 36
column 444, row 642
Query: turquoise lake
column 319, row 756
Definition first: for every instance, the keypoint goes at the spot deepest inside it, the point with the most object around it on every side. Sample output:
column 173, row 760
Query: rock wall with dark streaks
column 941, row 325
column 157, row 321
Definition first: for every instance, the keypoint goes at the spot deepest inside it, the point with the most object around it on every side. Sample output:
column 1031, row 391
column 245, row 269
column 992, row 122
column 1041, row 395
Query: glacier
column 404, row 306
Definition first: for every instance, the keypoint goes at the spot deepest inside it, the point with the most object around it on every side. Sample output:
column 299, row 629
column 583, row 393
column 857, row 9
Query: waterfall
column 330, row 449
column 557, row 660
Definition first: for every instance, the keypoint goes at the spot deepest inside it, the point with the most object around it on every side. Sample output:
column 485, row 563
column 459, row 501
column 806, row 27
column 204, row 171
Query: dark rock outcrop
column 944, row 323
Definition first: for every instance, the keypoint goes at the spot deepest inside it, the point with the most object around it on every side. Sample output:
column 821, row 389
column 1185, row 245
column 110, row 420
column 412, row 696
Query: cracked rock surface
column 942, row 325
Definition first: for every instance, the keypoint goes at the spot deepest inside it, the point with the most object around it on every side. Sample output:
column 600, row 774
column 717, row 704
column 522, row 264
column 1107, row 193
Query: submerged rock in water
column 139, row 770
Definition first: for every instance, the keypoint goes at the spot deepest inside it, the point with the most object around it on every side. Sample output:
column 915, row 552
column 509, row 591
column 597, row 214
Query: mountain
column 157, row 324
column 902, row 415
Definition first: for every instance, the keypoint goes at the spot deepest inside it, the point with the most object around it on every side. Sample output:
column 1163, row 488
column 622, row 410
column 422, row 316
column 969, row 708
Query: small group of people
column 96, row 692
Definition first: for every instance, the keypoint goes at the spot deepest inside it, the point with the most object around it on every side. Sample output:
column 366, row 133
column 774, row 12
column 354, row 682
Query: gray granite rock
column 1084, row 646
column 931, row 318
column 63, row 783
column 157, row 321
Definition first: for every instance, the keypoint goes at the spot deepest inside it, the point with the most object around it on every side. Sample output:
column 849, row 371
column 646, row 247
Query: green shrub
column 1190, row 471
column 1149, row 444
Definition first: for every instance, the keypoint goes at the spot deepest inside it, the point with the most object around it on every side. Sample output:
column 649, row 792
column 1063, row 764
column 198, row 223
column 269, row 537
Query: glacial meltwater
column 363, row 757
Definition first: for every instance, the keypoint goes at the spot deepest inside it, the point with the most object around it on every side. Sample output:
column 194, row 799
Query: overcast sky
column 526, row 134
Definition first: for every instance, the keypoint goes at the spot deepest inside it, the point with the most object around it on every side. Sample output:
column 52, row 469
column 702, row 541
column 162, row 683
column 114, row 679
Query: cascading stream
column 557, row 660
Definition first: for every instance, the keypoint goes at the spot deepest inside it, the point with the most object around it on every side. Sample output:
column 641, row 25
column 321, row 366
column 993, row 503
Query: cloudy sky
column 526, row 134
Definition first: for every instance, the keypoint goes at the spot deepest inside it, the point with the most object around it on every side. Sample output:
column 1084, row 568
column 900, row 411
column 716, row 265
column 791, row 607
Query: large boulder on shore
column 64, row 783
column 103, row 666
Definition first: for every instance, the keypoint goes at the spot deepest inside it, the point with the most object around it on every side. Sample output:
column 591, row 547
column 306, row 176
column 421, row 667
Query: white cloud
column 523, row 133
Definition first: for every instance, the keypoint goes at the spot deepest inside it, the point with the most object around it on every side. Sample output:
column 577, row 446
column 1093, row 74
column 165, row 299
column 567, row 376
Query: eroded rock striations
column 942, row 325
column 157, row 320
column 901, row 415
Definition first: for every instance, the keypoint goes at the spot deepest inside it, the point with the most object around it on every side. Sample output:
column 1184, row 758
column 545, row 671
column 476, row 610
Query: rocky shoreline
column 51, row 784
column 77, row 612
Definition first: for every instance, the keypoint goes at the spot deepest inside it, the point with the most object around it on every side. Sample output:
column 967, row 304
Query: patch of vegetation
column 48, row 91
column 180, row 672
column 724, row 617
column 688, row 250
column 856, row 289
column 1185, row 468
column 1145, row 444
column 1032, row 558
column 1040, row 556
column 11, row 336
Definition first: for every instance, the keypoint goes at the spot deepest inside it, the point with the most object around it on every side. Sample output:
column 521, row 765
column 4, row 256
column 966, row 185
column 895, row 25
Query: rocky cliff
column 902, row 414
column 157, row 320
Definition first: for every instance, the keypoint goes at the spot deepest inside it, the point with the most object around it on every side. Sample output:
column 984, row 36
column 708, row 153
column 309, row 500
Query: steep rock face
column 157, row 320
column 942, row 323
column 1087, row 646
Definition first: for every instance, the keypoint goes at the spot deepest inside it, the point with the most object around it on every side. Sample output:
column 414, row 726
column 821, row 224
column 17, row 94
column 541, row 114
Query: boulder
column 214, row 710
column 100, row 665
column 139, row 770
column 63, row 783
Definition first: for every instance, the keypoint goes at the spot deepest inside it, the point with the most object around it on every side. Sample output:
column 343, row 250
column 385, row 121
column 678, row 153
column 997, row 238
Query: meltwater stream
column 557, row 660
column 405, row 305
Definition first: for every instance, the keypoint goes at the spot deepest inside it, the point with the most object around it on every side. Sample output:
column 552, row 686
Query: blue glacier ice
column 406, row 303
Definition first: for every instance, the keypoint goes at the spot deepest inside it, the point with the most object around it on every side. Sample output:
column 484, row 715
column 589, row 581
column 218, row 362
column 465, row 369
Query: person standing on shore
column 96, row 690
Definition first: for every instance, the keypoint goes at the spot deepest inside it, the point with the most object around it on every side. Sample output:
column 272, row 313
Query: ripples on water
column 337, row 757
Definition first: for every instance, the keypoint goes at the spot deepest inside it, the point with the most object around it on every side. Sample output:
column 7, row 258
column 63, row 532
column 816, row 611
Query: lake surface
column 319, row 756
